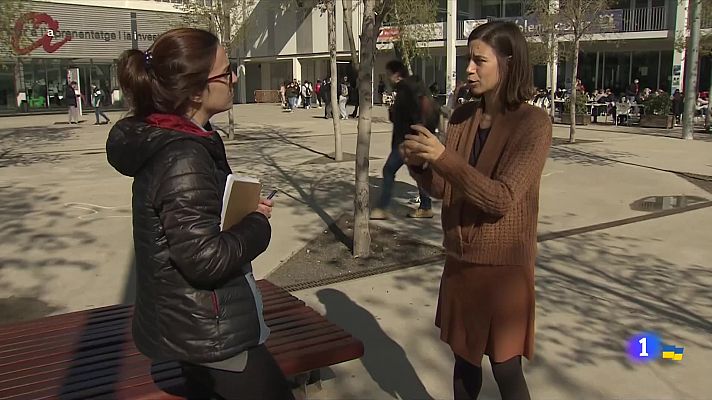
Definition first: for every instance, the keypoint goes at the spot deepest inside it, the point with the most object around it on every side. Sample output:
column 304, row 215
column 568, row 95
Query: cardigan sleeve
column 524, row 164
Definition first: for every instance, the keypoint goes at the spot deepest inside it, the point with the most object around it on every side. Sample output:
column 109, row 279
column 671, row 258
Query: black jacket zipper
column 216, row 307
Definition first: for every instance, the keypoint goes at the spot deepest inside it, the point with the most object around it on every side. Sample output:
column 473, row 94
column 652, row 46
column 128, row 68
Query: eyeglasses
column 218, row 78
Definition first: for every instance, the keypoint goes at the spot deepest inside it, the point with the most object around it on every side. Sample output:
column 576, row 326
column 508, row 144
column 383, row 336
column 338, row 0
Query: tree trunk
column 553, row 70
column 708, row 118
column 408, row 66
column 572, row 126
column 225, row 34
column 691, row 70
column 348, row 24
column 331, row 17
column 362, row 234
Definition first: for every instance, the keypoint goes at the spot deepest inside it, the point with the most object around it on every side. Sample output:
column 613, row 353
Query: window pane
column 512, row 8
column 491, row 8
column 7, row 87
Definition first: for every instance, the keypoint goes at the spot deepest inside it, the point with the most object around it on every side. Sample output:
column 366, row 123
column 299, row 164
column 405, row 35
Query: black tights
column 467, row 379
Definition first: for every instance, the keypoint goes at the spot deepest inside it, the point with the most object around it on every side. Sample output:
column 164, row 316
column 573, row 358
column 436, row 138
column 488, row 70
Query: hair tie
column 148, row 57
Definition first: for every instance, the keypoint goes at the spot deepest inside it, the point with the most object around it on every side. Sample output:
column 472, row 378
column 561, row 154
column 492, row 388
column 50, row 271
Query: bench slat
column 91, row 354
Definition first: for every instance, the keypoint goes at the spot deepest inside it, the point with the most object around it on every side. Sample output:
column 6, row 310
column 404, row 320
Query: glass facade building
column 56, row 38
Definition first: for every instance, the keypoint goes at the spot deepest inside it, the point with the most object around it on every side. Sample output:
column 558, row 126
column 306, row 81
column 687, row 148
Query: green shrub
column 581, row 107
column 658, row 104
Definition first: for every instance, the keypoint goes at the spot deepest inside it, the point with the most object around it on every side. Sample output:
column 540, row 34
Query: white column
column 678, row 56
column 451, row 53
column 296, row 69
column 266, row 73
column 242, row 86
column 318, row 68
column 553, row 68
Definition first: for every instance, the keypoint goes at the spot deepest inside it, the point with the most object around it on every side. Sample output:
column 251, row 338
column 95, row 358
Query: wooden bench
column 90, row 354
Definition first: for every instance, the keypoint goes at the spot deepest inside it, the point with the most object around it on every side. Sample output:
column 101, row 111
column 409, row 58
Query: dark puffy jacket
column 195, row 298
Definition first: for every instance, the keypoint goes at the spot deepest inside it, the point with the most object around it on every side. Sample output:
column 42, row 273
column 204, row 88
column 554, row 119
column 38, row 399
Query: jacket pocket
column 216, row 308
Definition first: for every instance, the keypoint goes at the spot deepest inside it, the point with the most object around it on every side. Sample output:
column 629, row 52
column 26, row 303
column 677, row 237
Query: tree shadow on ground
column 385, row 360
column 20, row 145
column 37, row 232
column 571, row 155
column 609, row 287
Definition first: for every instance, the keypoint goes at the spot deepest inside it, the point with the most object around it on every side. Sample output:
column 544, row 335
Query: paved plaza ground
column 610, row 264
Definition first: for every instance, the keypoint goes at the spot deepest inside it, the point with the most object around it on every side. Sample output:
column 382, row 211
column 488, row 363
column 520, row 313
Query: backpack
column 344, row 90
column 308, row 91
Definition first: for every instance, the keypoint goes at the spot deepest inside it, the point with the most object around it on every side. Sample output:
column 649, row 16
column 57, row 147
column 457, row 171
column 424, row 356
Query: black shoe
column 97, row 123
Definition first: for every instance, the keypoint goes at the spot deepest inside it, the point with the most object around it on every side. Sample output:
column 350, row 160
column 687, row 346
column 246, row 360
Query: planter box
column 580, row 119
column 657, row 121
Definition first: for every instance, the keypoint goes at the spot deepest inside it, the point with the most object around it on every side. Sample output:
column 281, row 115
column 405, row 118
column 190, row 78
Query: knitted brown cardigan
column 490, row 211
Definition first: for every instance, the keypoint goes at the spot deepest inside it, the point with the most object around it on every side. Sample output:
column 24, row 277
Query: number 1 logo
column 644, row 347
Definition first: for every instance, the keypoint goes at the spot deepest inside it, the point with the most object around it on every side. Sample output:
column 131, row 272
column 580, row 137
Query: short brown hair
column 165, row 77
column 515, row 86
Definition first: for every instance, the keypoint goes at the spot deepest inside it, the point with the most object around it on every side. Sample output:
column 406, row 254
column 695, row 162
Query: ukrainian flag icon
column 673, row 353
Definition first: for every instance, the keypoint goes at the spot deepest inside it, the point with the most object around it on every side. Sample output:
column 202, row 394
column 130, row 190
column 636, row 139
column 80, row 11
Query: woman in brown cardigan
column 488, row 175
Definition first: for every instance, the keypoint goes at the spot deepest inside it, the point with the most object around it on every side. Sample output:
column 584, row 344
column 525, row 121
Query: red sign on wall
column 388, row 34
column 45, row 41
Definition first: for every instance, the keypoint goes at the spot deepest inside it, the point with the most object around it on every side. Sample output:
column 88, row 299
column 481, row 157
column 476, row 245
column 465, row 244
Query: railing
column 645, row 19
column 626, row 20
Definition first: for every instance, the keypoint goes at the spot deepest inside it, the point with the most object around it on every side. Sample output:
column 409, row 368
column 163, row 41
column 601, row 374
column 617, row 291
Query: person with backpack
column 412, row 105
column 343, row 97
column 97, row 99
column 307, row 94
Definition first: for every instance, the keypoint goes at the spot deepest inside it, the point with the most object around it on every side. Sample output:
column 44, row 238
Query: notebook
column 241, row 197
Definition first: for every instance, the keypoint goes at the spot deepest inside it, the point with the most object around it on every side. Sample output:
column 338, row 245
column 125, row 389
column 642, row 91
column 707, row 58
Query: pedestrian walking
column 343, row 97
column 488, row 174
column 326, row 98
column 406, row 110
column 97, row 101
column 356, row 100
column 283, row 95
column 292, row 95
column 197, row 301
column 317, row 92
column 307, row 92
column 72, row 98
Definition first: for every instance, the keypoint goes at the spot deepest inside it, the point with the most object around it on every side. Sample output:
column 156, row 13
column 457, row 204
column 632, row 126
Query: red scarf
column 177, row 123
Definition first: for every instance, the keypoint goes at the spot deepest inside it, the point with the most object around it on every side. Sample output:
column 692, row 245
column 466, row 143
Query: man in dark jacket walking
column 72, row 97
column 407, row 110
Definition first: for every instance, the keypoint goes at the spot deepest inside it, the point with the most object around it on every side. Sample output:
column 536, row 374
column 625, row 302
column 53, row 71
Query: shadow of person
column 384, row 359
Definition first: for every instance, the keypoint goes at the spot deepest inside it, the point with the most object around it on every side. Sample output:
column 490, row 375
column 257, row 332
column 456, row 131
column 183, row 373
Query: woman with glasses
column 196, row 298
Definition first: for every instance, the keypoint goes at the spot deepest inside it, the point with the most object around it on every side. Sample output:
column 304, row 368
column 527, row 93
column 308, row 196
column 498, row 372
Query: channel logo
column 645, row 347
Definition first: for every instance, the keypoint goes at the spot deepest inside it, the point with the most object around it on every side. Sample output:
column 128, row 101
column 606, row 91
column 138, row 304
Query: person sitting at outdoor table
column 609, row 100
column 622, row 109
column 600, row 94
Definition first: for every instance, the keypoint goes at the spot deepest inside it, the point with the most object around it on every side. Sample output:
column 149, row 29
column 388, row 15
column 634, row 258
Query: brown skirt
column 487, row 309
